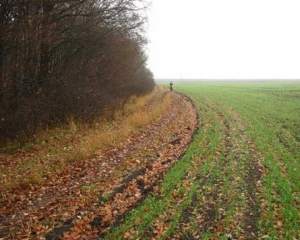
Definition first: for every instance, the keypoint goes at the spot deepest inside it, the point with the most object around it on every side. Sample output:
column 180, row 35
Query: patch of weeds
column 106, row 198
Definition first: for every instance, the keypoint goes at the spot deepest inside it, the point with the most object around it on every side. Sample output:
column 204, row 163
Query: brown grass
column 53, row 149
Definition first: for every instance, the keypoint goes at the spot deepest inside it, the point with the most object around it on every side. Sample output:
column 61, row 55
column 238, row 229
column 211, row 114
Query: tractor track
column 239, row 169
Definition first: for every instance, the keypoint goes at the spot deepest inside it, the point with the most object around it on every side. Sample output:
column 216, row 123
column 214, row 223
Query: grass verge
column 30, row 165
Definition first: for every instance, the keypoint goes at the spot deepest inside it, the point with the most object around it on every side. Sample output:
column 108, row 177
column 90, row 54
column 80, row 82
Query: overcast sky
column 224, row 39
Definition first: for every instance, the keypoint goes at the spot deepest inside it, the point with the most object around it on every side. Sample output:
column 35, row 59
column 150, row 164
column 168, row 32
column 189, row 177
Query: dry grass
column 53, row 149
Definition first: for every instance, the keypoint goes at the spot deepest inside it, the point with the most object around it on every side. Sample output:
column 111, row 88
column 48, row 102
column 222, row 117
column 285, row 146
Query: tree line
column 62, row 58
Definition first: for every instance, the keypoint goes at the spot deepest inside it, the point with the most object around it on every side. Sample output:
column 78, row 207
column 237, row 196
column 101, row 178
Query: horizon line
column 271, row 79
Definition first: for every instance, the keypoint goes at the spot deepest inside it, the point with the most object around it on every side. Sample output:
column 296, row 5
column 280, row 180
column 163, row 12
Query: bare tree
column 63, row 57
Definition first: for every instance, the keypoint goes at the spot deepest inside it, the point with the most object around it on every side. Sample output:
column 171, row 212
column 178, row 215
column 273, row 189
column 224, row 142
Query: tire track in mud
column 252, row 177
column 208, row 210
column 229, row 207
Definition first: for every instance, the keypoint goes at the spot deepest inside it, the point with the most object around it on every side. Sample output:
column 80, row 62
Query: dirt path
column 88, row 196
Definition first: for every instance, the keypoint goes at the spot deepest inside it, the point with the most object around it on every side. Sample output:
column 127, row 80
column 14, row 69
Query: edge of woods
column 54, row 182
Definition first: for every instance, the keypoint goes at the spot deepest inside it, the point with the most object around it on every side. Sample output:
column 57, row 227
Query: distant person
column 171, row 86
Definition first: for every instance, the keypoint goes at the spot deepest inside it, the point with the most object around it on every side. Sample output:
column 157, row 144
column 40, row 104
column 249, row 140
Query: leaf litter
column 89, row 195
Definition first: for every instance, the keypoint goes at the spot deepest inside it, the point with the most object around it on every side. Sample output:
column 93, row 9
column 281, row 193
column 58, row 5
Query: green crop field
column 239, row 179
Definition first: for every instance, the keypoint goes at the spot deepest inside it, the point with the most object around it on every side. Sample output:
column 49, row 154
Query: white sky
column 231, row 39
